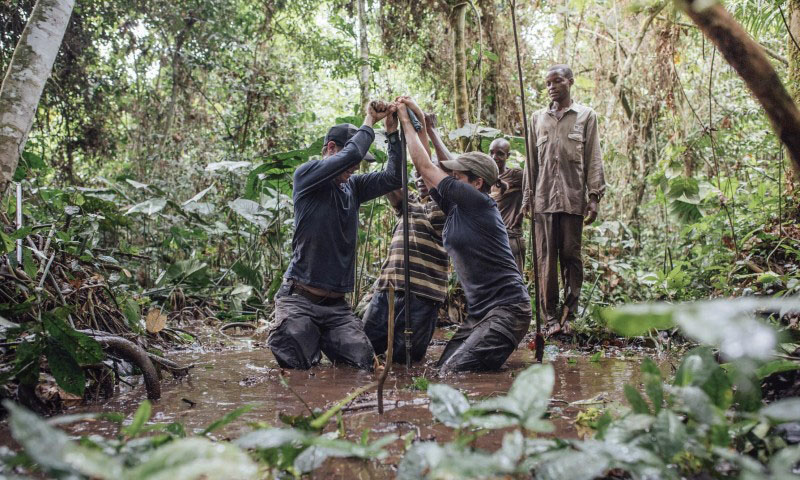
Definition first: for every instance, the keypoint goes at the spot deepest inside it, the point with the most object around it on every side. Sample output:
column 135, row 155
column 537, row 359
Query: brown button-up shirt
column 568, row 160
column 510, row 202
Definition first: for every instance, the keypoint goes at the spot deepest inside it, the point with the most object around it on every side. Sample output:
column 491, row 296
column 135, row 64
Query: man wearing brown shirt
column 509, row 202
column 568, row 167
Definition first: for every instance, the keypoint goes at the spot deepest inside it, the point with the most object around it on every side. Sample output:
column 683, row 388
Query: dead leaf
column 156, row 320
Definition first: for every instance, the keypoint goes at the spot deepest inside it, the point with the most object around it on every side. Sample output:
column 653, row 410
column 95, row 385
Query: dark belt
column 323, row 300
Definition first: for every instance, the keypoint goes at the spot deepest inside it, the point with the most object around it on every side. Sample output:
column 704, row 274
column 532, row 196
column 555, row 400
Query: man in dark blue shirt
column 311, row 314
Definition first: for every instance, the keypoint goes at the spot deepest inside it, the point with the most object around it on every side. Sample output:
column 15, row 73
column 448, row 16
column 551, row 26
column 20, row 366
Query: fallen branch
column 133, row 353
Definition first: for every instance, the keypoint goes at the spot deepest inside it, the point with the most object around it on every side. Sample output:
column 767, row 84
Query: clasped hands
column 378, row 110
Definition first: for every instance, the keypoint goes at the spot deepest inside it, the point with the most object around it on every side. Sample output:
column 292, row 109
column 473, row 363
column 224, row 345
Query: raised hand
column 377, row 110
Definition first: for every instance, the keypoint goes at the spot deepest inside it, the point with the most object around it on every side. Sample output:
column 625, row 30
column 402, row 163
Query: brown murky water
column 247, row 374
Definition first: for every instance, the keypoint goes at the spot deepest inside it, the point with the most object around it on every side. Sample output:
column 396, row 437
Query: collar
column 575, row 107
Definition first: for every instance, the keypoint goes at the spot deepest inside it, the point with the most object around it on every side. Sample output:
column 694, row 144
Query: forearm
column 420, row 156
column 442, row 153
column 315, row 173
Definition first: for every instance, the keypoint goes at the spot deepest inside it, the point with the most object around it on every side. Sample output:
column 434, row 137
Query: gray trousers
column 558, row 243
column 304, row 329
column 486, row 343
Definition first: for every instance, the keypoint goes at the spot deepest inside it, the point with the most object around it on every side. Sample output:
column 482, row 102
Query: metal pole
column 406, row 271
column 539, row 343
column 19, row 222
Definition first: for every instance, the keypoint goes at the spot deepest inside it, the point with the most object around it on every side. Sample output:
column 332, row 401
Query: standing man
column 568, row 167
column 429, row 269
column 509, row 202
column 311, row 314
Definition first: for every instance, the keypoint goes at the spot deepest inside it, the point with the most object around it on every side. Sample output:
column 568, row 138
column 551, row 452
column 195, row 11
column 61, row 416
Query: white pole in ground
column 19, row 222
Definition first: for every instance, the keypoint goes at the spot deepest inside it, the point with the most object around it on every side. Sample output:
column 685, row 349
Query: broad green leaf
column 527, row 399
column 148, row 207
column 199, row 195
column 6, row 244
column 786, row 410
column 52, row 449
column 83, row 348
column 133, row 314
column 777, row 366
column 227, row 166
column 27, row 362
column 635, row 399
column 265, row 439
column 251, row 211
column 227, row 418
column 669, row 434
column 195, row 458
column 250, row 275
column 141, row 417
column 571, row 465
column 68, row 374
column 725, row 323
column 321, row 448
column 448, row 405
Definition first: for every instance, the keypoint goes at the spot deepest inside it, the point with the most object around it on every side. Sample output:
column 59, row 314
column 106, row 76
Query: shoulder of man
column 582, row 108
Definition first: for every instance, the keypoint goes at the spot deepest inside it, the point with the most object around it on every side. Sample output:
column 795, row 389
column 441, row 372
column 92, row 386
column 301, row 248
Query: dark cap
column 341, row 134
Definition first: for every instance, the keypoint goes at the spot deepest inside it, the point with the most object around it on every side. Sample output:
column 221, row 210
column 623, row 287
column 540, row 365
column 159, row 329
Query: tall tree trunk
column 460, row 92
column 24, row 81
column 363, row 54
column 794, row 66
column 751, row 63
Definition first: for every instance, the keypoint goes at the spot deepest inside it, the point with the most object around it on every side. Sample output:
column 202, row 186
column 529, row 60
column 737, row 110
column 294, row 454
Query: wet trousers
column 304, row 329
column 517, row 243
column 486, row 343
column 558, row 243
column 424, row 314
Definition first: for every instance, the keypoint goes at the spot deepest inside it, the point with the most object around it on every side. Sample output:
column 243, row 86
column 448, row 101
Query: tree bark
column 363, row 54
column 794, row 51
column 749, row 60
column 460, row 92
column 27, row 73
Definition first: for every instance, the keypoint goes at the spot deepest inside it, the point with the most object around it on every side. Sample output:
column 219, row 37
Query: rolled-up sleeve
column 593, row 160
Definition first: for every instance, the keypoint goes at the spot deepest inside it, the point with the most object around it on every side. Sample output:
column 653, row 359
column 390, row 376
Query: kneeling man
column 311, row 313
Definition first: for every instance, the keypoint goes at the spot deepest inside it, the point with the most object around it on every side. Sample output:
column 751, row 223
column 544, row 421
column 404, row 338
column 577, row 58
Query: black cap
column 341, row 134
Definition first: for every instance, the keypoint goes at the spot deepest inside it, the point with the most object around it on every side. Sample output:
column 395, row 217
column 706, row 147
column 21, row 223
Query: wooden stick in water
column 389, row 351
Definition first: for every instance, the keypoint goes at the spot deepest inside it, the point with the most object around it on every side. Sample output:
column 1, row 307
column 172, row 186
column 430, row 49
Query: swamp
column 150, row 153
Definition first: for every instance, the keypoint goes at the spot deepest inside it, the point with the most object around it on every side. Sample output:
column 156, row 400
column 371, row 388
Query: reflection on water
column 224, row 380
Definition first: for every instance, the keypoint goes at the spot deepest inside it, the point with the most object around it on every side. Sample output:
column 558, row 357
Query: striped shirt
column 428, row 259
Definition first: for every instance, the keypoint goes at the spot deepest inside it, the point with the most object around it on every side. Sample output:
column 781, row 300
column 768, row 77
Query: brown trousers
column 558, row 243
column 517, row 243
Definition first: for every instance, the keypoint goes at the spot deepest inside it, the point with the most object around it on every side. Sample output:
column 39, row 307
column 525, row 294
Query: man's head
column 499, row 151
column 559, row 80
column 335, row 140
column 474, row 168
column 421, row 187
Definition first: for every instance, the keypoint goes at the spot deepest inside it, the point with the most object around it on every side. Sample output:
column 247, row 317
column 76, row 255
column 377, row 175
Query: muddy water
column 248, row 374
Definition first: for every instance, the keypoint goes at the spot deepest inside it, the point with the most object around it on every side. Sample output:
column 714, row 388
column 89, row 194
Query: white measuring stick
column 19, row 222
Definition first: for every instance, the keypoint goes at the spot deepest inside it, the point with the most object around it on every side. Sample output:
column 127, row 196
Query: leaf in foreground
column 52, row 449
column 196, row 458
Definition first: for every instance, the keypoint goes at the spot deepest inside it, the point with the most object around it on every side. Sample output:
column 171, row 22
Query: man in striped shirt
column 429, row 273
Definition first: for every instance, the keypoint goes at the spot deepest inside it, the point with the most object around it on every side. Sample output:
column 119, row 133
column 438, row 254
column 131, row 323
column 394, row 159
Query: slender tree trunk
column 793, row 81
column 460, row 92
column 24, row 81
column 747, row 57
column 363, row 54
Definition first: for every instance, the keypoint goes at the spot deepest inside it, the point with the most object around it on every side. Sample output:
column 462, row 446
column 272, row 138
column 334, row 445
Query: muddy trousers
column 424, row 314
column 486, row 343
column 304, row 329
column 517, row 243
column 558, row 243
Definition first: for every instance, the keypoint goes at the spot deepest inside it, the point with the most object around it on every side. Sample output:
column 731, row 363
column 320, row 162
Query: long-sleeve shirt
column 510, row 202
column 429, row 265
column 326, row 213
column 568, row 160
